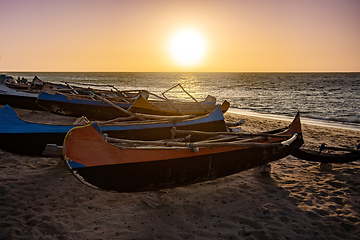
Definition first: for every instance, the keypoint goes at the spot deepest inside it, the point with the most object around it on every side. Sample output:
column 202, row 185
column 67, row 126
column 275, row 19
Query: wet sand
column 40, row 199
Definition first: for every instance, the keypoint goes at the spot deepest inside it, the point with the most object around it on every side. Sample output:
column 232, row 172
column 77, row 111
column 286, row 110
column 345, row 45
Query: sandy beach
column 41, row 199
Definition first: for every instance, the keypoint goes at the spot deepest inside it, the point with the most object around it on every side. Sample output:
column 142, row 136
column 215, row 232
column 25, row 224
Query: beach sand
column 41, row 199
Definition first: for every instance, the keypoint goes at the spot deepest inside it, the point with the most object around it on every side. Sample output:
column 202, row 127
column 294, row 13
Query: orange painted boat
column 97, row 163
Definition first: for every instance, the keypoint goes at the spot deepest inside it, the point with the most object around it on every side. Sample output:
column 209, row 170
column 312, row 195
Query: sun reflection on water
column 191, row 85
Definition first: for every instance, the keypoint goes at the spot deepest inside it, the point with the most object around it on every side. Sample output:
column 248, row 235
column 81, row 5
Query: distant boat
column 19, row 94
column 30, row 138
column 140, row 167
column 337, row 154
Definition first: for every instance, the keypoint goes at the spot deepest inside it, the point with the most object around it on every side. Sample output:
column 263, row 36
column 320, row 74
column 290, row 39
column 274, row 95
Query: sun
column 187, row 47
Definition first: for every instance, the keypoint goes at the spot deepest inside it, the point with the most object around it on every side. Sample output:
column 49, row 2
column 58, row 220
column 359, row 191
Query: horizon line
column 34, row 71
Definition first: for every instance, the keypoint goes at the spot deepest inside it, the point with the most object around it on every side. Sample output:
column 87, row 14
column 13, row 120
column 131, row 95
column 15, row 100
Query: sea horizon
column 330, row 97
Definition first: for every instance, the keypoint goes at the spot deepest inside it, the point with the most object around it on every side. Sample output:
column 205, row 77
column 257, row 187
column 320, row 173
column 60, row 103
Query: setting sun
column 187, row 47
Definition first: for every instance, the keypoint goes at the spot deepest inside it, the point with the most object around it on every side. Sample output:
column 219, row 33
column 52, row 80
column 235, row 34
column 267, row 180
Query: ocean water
column 329, row 97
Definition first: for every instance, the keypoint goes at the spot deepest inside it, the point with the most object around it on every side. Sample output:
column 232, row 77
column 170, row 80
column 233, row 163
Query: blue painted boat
column 106, row 107
column 77, row 106
column 30, row 138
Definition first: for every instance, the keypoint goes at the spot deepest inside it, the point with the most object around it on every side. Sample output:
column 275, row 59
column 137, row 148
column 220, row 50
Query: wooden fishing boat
column 18, row 94
column 335, row 155
column 82, row 104
column 173, row 108
column 98, row 106
column 21, row 93
column 124, row 168
column 30, row 138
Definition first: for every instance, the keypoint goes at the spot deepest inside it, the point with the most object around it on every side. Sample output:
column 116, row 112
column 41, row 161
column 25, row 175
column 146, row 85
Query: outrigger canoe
column 337, row 155
column 85, row 103
column 105, row 107
column 123, row 168
column 21, row 93
column 30, row 138
column 173, row 108
column 18, row 95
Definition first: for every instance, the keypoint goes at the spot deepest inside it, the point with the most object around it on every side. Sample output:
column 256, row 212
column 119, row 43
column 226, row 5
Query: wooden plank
column 231, row 133
column 190, row 145
column 114, row 105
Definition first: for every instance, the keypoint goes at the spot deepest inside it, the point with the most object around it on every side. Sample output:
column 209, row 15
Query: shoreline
column 314, row 135
column 305, row 120
column 40, row 198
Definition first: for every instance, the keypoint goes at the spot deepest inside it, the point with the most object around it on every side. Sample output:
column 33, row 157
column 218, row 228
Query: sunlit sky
column 136, row 35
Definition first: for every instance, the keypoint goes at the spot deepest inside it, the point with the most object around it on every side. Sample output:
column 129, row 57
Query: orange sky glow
column 135, row 35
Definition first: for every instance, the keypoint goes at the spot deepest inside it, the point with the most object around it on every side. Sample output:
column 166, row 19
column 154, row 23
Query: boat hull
column 174, row 172
column 316, row 156
column 63, row 105
column 102, row 165
column 71, row 105
column 18, row 98
column 29, row 138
